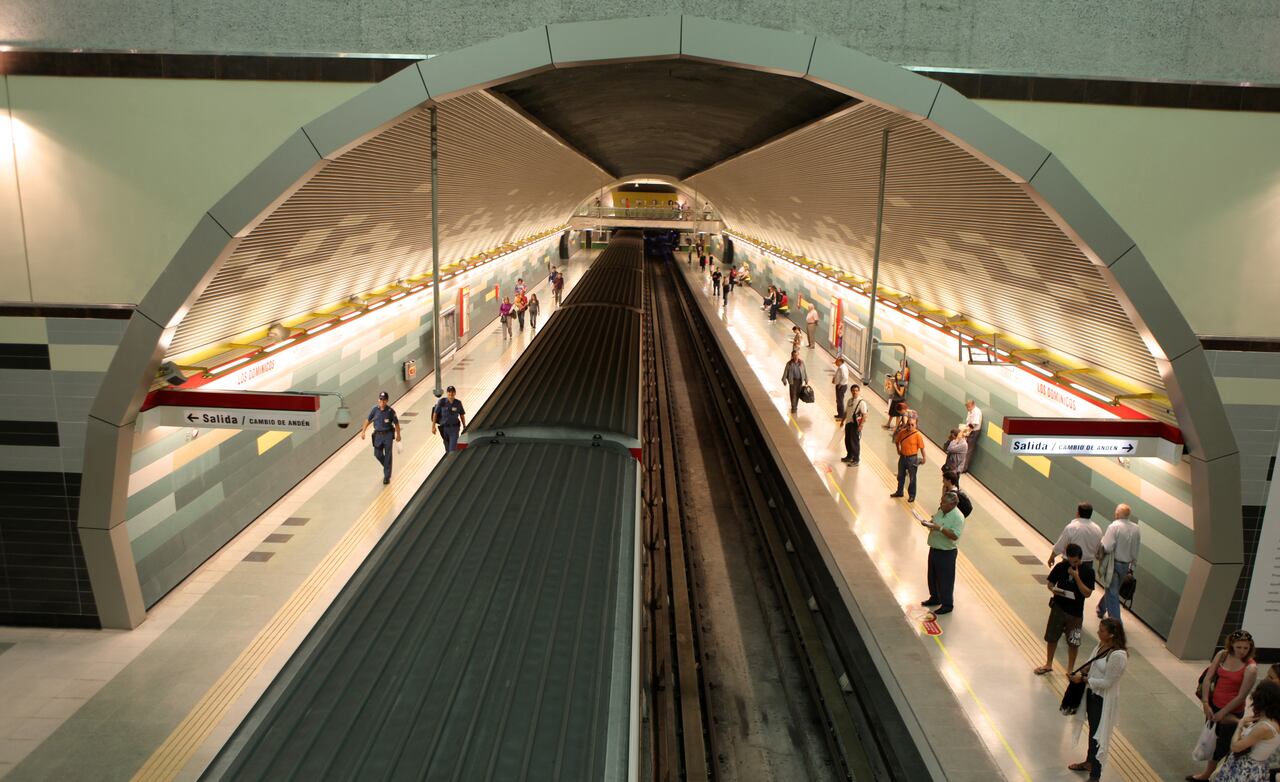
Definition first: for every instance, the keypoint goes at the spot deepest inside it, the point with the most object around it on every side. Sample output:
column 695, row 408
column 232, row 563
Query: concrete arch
column 679, row 184
column 1215, row 465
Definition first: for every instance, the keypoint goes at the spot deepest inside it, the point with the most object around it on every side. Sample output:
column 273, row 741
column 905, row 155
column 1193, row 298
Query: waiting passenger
column 945, row 529
column 1102, row 698
column 795, row 377
column 521, row 304
column 533, row 311
column 557, row 288
column 1070, row 583
column 1226, row 686
column 956, row 449
column 896, row 387
column 773, row 305
column 725, row 287
column 715, row 282
column 973, row 430
column 853, row 428
column 910, row 445
column 1256, row 742
column 811, row 323
column 795, row 337
column 1082, row 531
column 504, row 316
column 950, row 482
column 702, row 262
column 840, row 379
column 784, row 304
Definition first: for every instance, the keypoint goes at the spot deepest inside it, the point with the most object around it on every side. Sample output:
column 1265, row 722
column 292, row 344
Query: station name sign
column 1091, row 437
column 230, row 418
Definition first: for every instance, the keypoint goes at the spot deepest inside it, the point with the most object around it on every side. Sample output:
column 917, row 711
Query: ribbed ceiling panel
column 957, row 234
column 365, row 220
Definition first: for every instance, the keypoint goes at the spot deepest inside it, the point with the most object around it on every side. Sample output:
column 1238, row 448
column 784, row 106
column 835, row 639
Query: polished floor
column 157, row 702
column 994, row 639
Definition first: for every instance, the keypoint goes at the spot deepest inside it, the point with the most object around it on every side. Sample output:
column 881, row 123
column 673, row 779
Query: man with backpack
column 853, row 427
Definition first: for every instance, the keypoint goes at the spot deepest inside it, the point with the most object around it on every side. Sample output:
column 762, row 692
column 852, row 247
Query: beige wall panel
column 14, row 283
column 1199, row 191
column 116, row 172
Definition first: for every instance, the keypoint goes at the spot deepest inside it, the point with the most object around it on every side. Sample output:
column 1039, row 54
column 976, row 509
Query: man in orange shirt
column 910, row 445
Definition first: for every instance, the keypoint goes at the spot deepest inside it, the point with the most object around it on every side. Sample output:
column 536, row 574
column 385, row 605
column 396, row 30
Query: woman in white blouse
column 1102, row 699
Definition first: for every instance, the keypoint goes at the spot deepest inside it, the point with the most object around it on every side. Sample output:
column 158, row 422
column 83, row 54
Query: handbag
column 806, row 393
column 1074, row 694
column 1206, row 743
column 1127, row 587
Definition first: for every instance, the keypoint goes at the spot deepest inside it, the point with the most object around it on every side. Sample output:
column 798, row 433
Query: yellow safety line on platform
column 1125, row 756
column 171, row 756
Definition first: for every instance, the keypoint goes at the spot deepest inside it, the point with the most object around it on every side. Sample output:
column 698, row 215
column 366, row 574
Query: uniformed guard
column 449, row 416
column 386, row 425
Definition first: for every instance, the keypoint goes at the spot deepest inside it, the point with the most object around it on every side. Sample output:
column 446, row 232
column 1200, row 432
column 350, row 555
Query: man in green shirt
column 945, row 528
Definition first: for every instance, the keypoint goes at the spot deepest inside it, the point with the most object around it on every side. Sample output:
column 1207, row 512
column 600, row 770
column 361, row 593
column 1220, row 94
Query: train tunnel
column 987, row 241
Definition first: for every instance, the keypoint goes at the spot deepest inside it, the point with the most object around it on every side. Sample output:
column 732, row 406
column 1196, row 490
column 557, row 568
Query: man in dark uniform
column 386, row 425
column 449, row 417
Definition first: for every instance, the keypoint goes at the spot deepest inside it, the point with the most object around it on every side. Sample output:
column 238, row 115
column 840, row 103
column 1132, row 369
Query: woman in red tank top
column 1231, row 677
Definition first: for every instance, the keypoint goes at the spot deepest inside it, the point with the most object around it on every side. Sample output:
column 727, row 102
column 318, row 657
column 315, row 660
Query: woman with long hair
column 1102, row 698
column 1223, row 693
column 897, row 389
column 1254, row 742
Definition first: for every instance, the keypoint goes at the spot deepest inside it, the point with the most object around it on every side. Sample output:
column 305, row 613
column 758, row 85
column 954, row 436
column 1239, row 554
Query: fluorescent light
column 934, row 322
column 349, row 316
column 1092, row 393
column 229, row 365
column 398, row 296
column 953, row 331
column 280, row 344
column 320, row 328
column 376, row 305
column 888, row 303
column 966, row 338
column 911, row 312
column 1036, row 368
column 1001, row 352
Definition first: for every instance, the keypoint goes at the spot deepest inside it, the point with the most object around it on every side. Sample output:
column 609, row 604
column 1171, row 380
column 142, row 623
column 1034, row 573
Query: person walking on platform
column 557, row 288
column 715, row 282
column 448, row 417
column 910, row 444
column 795, row 377
column 840, row 379
column 956, row 449
column 520, row 288
column 533, row 311
column 811, row 323
column 521, row 304
column 972, row 429
column 796, row 337
column 725, row 287
column 1102, row 698
column 945, row 529
column 702, row 263
column 386, row 429
column 1070, row 582
column 1121, row 542
column 1082, row 531
column 853, row 427
column 504, row 316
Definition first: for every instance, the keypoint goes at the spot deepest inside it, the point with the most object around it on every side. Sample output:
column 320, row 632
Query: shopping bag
column 1206, row 743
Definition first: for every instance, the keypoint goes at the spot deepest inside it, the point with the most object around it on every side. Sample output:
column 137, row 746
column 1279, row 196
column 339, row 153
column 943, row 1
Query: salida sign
column 1072, row 446
column 230, row 418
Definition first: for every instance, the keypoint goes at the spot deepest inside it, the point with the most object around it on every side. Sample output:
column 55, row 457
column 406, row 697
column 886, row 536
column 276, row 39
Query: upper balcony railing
column 646, row 213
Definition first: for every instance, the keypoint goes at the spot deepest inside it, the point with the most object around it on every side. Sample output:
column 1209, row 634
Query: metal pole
column 435, row 252
column 875, row 259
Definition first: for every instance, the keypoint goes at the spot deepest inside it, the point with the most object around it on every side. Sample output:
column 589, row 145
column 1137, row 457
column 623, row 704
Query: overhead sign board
column 1023, row 445
column 232, row 418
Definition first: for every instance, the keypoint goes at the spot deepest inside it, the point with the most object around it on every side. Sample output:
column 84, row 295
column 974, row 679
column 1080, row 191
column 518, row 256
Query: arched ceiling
column 957, row 233
column 365, row 219
column 673, row 117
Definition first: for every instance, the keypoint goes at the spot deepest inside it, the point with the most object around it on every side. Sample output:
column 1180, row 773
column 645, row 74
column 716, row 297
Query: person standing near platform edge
column 449, row 416
column 795, row 377
column 840, row 379
column 853, row 428
column 945, row 529
column 385, row 424
column 972, row 427
column 910, row 444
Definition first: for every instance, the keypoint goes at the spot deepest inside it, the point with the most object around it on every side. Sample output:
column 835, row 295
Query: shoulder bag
column 1075, row 690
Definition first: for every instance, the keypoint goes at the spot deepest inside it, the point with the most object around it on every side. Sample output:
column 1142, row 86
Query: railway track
column 747, row 675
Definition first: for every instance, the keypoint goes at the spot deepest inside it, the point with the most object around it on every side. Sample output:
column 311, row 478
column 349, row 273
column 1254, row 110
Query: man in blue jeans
column 1122, row 541
column 386, row 426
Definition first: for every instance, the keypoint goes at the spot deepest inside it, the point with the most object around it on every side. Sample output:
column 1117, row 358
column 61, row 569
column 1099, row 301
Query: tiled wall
column 189, row 496
column 50, row 370
column 1249, row 383
column 1044, row 492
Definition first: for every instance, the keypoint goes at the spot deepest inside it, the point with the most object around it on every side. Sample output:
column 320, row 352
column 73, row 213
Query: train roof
column 612, row 285
column 488, row 636
column 579, row 378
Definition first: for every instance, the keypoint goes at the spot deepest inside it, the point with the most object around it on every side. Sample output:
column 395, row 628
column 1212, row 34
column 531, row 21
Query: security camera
column 172, row 373
column 343, row 417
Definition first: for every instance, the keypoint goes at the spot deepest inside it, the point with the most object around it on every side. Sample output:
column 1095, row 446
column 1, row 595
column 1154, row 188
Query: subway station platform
column 158, row 702
column 993, row 640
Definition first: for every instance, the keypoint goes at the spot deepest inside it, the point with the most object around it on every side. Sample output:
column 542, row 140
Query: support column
column 435, row 252
column 868, row 356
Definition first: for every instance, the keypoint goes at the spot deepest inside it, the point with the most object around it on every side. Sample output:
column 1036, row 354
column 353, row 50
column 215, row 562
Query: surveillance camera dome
column 172, row 374
column 343, row 418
